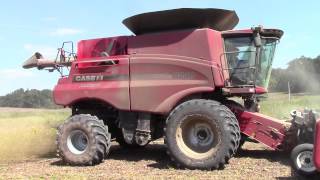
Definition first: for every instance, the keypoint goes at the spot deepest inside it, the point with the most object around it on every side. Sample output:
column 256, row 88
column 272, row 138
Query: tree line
column 32, row 98
column 301, row 75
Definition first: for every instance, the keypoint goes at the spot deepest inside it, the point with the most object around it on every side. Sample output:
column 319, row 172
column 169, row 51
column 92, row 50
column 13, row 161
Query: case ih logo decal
column 94, row 78
column 143, row 76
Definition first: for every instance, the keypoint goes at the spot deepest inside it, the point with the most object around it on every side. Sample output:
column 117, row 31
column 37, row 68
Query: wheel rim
column 305, row 161
column 197, row 137
column 77, row 142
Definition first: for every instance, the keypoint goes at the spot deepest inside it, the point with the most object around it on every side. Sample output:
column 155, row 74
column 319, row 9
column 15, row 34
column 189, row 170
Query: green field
column 278, row 104
column 29, row 133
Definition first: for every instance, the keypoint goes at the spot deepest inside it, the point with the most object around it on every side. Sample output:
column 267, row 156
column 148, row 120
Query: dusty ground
column 29, row 133
column 19, row 110
column 253, row 162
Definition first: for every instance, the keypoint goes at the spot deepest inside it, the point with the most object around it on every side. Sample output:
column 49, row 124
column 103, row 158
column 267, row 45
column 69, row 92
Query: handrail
column 94, row 60
column 98, row 63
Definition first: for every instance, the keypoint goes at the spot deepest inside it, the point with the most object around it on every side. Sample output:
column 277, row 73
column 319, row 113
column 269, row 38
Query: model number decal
column 183, row 75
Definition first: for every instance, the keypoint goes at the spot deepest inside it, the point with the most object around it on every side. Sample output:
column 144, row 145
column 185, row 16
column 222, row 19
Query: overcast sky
column 29, row 26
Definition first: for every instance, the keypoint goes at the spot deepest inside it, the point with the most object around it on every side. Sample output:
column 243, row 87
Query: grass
column 26, row 133
column 30, row 133
column 278, row 105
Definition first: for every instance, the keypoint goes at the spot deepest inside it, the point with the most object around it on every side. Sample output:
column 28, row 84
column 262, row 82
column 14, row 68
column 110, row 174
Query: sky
column 38, row 25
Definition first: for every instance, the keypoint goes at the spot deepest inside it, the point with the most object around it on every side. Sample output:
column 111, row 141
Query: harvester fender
column 316, row 150
column 169, row 103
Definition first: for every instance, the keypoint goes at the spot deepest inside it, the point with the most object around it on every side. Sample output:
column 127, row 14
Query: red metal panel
column 113, row 89
column 204, row 44
column 316, row 151
column 216, row 48
column 165, row 67
column 265, row 129
column 92, row 47
column 158, row 82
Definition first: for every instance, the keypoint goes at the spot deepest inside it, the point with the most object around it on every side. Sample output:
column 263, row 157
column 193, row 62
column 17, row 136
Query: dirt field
column 27, row 149
column 253, row 162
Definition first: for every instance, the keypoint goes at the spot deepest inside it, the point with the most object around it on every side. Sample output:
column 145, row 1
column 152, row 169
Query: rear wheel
column 302, row 159
column 201, row 134
column 83, row 140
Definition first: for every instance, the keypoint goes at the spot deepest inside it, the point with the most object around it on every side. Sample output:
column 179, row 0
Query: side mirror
column 257, row 40
column 256, row 35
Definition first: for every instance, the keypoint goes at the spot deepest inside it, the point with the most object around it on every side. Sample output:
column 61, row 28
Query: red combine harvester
column 174, row 79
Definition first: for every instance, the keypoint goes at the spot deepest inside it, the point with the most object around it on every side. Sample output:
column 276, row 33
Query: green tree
column 28, row 99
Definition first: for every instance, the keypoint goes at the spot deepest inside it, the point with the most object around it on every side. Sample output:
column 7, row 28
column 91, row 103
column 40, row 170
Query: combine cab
column 174, row 79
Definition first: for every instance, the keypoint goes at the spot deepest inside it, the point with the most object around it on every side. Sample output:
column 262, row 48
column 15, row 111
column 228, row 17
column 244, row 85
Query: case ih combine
column 174, row 79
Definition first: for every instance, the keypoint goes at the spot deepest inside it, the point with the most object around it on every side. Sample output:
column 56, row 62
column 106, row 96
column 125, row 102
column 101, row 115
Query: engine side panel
column 92, row 79
column 165, row 67
column 158, row 82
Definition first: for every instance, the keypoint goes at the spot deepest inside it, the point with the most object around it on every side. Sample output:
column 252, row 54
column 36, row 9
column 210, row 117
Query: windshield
column 242, row 64
column 265, row 63
column 240, row 53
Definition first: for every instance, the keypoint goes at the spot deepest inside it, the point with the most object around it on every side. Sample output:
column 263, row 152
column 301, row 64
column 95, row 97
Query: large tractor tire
column 83, row 140
column 201, row 134
column 302, row 160
column 236, row 107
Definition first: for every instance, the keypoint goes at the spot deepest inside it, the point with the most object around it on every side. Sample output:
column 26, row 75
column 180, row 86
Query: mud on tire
column 83, row 140
column 201, row 134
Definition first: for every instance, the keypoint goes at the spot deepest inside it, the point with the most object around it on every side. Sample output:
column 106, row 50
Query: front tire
column 236, row 108
column 83, row 140
column 302, row 159
column 201, row 134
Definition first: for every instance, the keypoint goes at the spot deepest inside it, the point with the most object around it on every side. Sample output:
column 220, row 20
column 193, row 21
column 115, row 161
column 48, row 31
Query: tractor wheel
column 236, row 107
column 201, row 134
column 83, row 140
column 302, row 159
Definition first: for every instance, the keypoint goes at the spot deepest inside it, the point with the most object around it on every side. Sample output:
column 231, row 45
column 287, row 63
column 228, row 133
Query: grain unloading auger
column 63, row 59
column 174, row 79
